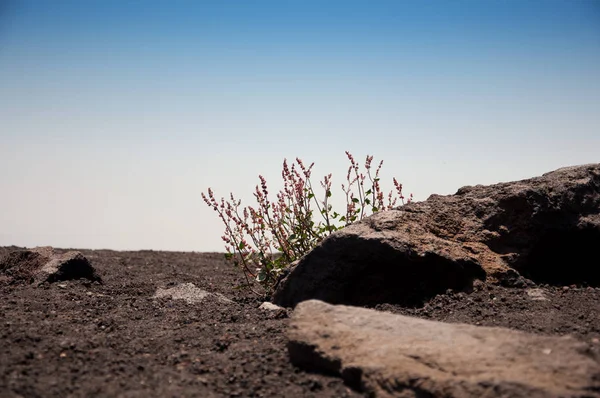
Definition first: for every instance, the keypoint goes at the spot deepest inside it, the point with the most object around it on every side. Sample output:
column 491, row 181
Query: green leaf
column 369, row 192
column 242, row 245
column 355, row 200
column 328, row 193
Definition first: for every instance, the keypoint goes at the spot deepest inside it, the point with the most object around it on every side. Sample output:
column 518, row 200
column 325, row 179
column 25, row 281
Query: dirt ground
column 113, row 339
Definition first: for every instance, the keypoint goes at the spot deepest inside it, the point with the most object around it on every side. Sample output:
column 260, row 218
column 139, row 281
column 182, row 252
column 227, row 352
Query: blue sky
column 116, row 115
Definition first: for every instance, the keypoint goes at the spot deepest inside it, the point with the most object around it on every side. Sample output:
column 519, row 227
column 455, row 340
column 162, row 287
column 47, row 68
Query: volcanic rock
column 189, row 293
column 387, row 355
column 544, row 229
column 43, row 264
column 273, row 311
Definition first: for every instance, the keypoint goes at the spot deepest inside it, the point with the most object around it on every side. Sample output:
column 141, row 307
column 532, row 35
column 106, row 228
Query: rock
column 62, row 267
column 43, row 264
column 537, row 294
column 190, row 293
column 274, row 311
column 544, row 229
column 267, row 306
column 388, row 355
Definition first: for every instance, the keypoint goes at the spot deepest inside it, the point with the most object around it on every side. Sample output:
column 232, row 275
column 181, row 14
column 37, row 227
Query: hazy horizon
column 116, row 115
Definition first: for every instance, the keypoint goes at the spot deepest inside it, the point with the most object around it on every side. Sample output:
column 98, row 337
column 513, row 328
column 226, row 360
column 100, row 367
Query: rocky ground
column 84, row 339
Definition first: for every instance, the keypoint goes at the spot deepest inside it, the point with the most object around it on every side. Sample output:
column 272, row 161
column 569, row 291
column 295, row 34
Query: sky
column 116, row 115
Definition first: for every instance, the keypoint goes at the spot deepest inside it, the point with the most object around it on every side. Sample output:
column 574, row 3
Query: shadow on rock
column 43, row 264
column 544, row 230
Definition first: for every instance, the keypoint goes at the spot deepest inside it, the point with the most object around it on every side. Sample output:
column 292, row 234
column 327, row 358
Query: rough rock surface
column 43, row 264
column 190, row 293
column 273, row 311
column 544, row 229
column 386, row 355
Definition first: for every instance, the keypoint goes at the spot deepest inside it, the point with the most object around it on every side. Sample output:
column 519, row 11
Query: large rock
column 43, row 264
column 388, row 355
column 546, row 229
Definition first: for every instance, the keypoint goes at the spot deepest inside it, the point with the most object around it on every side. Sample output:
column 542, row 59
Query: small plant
column 264, row 240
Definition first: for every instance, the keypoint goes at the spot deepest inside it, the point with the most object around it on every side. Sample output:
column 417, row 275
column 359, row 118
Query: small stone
column 537, row 294
column 270, row 306
column 274, row 311
column 190, row 293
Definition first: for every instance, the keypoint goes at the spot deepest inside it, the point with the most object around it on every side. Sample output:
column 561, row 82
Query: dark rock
column 43, row 264
column 544, row 229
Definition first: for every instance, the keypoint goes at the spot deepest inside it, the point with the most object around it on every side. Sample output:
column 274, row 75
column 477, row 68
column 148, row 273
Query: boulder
column 387, row 355
column 43, row 264
column 544, row 229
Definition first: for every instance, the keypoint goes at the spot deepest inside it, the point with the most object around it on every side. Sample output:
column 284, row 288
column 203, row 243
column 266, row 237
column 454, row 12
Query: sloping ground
column 84, row 339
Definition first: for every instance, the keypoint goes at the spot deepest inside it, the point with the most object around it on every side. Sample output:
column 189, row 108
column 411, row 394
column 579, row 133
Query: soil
column 112, row 338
